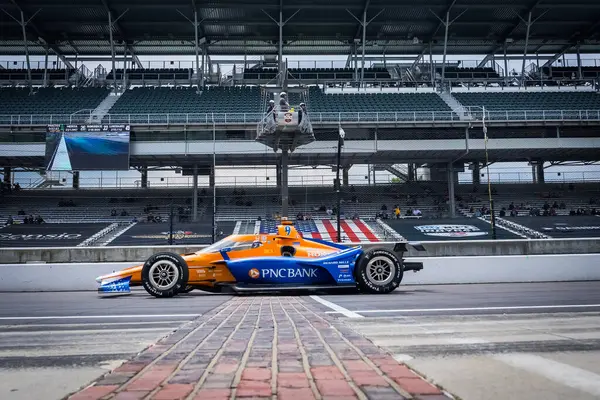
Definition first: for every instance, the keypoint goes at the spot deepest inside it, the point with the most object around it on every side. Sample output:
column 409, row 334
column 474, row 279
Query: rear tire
column 165, row 274
column 378, row 271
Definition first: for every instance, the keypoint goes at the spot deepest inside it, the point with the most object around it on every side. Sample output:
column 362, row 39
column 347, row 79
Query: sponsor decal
column 289, row 273
column 317, row 253
column 450, row 230
column 176, row 235
column 49, row 236
column 254, row 273
column 116, row 286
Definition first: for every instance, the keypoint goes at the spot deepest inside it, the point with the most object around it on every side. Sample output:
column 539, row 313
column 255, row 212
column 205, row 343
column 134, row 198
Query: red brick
column 357, row 365
column 383, row 360
column 131, row 367
column 292, row 380
column 417, row 386
column 174, row 391
column 253, row 389
column 152, row 378
column 295, row 394
column 213, row 394
column 256, row 374
column 398, row 371
column 340, row 398
column 223, row 368
column 336, row 387
column 326, row 373
column 93, row 392
column 127, row 395
column 367, row 378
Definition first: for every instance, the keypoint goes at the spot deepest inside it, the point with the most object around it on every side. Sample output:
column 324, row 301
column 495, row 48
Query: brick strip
column 337, row 386
column 222, row 372
column 263, row 348
column 294, row 381
column 404, row 380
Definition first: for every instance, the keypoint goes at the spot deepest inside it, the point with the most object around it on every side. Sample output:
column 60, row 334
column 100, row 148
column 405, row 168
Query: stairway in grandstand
column 353, row 230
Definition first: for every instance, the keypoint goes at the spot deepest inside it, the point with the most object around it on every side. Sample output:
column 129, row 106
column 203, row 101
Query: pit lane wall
column 448, row 262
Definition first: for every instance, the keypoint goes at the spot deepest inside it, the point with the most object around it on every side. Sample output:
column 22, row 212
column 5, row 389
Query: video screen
column 87, row 148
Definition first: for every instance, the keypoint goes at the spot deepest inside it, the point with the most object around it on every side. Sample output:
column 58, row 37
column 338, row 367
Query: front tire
column 165, row 275
column 378, row 271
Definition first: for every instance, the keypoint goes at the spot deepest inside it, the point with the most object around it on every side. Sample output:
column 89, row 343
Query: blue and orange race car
column 279, row 261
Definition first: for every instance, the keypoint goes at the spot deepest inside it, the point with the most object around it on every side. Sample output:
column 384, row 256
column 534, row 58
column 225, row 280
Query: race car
column 278, row 261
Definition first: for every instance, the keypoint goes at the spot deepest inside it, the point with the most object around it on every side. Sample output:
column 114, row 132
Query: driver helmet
column 271, row 101
column 282, row 94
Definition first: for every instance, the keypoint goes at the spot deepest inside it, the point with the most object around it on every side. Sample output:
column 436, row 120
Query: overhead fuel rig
column 285, row 124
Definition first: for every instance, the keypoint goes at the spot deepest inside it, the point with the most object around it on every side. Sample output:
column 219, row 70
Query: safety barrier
column 470, row 248
column 317, row 118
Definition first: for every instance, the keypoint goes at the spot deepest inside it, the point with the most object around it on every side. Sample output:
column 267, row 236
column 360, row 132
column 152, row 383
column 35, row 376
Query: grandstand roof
column 158, row 27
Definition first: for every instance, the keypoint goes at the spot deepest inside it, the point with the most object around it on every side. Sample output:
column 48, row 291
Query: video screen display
column 87, row 147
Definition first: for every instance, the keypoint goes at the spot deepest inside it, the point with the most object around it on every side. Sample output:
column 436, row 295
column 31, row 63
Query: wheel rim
column 163, row 275
column 381, row 271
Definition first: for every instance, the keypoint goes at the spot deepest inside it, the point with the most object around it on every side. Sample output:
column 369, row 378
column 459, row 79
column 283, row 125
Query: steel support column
column 196, row 45
column 144, row 177
column 411, row 172
column 203, row 67
column 431, row 68
column 195, row 194
column 447, row 25
column 451, row 197
column 476, row 173
column 525, row 49
column 364, row 45
column 112, row 50
column 46, row 68
column 345, row 176
column 506, row 76
column 579, row 71
column 540, row 172
column 7, row 175
column 284, row 183
column 23, row 23
column 280, row 50
column 355, row 61
column 124, row 68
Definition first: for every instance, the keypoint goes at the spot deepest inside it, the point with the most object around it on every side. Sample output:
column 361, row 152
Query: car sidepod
column 334, row 269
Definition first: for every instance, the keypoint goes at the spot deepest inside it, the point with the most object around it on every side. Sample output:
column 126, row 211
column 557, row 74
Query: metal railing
column 316, row 117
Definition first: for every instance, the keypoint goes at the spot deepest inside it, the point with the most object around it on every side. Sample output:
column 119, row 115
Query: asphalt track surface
column 53, row 343
column 512, row 298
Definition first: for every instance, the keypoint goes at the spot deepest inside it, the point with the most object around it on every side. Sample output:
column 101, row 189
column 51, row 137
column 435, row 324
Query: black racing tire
column 165, row 275
column 378, row 271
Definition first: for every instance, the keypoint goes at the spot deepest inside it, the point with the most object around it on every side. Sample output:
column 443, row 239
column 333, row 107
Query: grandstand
column 413, row 112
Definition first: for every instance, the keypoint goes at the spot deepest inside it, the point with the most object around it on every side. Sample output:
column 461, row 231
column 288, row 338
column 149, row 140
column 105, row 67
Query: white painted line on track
column 336, row 308
column 99, row 316
column 565, row 374
column 83, row 331
column 88, row 324
column 409, row 310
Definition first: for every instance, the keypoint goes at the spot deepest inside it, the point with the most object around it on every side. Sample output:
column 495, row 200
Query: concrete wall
column 471, row 248
column 437, row 270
